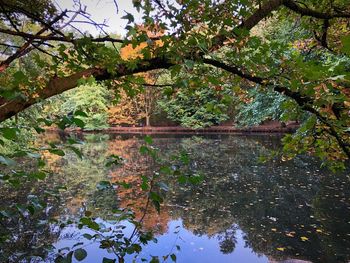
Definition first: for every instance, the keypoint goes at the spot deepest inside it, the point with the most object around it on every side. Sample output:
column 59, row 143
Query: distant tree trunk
column 148, row 121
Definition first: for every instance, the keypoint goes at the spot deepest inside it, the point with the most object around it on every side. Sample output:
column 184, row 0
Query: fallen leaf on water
column 304, row 238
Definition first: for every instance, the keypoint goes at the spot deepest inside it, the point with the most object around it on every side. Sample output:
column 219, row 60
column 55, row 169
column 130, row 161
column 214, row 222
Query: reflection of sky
column 104, row 9
column 200, row 248
column 193, row 248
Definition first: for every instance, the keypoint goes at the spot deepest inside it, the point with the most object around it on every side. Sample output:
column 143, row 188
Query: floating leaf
column 304, row 238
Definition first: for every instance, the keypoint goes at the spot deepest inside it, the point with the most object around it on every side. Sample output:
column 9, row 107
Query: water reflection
column 243, row 211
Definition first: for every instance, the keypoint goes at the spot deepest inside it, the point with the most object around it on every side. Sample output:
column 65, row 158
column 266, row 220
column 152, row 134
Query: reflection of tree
column 33, row 234
column 80, row 177
column 272, row 203
column 136, row 164
column 289, row 205
column 228, row 240
column 23, row 234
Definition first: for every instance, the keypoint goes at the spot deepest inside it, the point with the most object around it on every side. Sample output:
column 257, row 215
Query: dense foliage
column 261, row 107
column 197, row 108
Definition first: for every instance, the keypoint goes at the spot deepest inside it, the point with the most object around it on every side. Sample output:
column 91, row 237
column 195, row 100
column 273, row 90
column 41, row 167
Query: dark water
column 243, row 210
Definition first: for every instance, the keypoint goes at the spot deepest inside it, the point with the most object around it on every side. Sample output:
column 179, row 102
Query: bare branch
column 24, row 49
column 58, row 38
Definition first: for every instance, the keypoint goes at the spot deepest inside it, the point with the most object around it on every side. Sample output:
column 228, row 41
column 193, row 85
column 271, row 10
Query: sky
column 101, row 10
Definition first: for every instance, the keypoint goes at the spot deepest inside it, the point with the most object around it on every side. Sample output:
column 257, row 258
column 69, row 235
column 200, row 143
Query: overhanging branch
column 58, row 85
column 292, row 5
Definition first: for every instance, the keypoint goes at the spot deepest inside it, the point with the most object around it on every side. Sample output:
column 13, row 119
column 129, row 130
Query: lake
column 241, row 209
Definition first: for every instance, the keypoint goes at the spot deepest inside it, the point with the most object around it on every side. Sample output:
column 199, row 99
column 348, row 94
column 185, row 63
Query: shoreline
column 182, row 130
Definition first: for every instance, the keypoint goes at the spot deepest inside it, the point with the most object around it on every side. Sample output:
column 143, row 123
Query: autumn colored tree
column 133, row 108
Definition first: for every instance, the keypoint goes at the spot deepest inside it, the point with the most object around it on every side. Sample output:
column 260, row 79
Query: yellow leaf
column 281, row 248
column 304, row 238
column 318, row 230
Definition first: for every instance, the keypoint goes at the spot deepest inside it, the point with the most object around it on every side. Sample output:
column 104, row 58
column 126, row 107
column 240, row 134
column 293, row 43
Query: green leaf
column 89, row 223
column 39, row 129
column 58, row 152
column 165, row 170
column 345, row 40
column 9, row 133
column 148, row 139
column 129, row 17
column 76, row 151
column 184, row 158
column 80, row 113
column 173, row 257
column 107, row 260
column 154, row 260
column 124, row 184
column 182, row 179
column 80, row 123
column 144, row 149
column 80, row 254
column 144, row 184
column 155, row 196
column 19, row 78
column 195, row 179
column 31, row 209
column 60, row 259
column 88, row 236
column 38, row 175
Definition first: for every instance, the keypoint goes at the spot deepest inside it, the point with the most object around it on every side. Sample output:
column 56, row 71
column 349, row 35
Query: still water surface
column 243, row 210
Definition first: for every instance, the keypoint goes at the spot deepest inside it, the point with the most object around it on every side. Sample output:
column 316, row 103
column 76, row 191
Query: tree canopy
column 297, row 49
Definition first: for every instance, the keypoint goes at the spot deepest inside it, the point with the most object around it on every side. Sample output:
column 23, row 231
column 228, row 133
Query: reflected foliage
column 285, row 210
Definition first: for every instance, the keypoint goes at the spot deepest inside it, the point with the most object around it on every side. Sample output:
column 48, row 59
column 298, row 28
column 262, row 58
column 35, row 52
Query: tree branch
column 58, row 85
column 24, row 49
column 290, row 4
column 58, row 38
column 303, row 101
